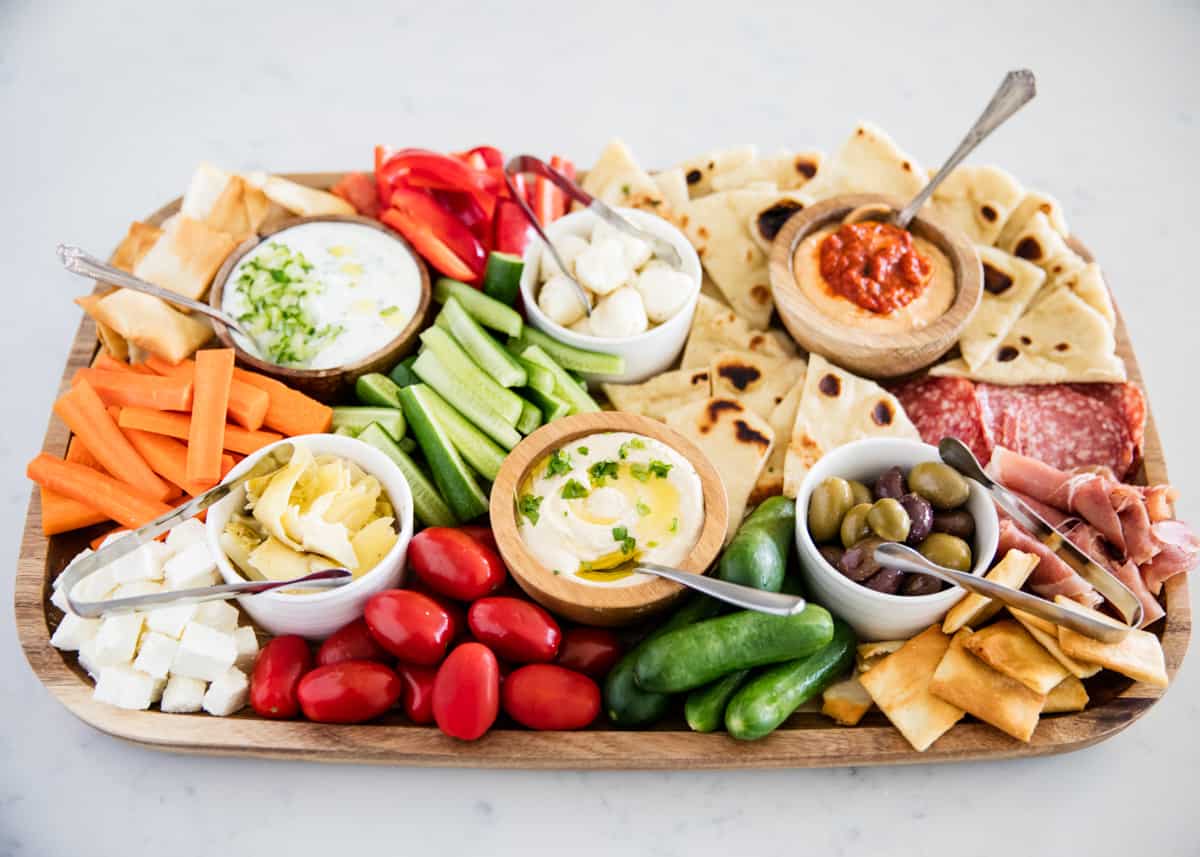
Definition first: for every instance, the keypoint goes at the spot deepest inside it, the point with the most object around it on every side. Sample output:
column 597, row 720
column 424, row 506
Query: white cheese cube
column 247, row 647
column 117, row 639
column 191, row 567
column 156, row 654
column 228, row 693
column 87, row 657
column 637, row 251
column 97, row 586
column 83, row 553
column 603, row 267
column 182, row 695
column 112, row 537
column 221, row 615
column 185, row 535
column 203, row 652
column 170, row 620
column 136, row 588
column 559, row 300
column 145, row 563
column 620, row 315
column 59, row 599
column 73, row 631
column 125, row 687
column 663, row 290
column 569, row 247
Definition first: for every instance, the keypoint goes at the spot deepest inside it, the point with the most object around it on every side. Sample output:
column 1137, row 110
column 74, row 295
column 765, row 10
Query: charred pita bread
column 1009, row 286
column 1139, row 655
column 846, row 702
column 225, row 202
column 783, row 170
column 737, row 442
column 1040, row 243
column 1087, row 282
column 1068, row 695
column 976, row 201
column 1007, row 647
column 1046, row 633
column 673, row 187
column 758, row 382
column 185, row 257
column 1031, row 204
column 770, row 481
column 767, row 219
column 297, row 198
column 618, row 179
column 836, row 408
column 662, row 394
column 699, row 172
column 868, row 162
column 150, row 324
column 716, row 328
column 975, row 609
column 963, row 680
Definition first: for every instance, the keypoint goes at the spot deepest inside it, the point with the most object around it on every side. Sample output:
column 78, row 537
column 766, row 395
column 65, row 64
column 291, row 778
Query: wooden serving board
column 806, row 740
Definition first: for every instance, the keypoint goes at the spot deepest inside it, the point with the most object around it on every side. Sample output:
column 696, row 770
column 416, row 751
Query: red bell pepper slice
column 423, row 168
column 358, row 190
column 467, row 209
column 510, row 228
column 382, row 153
column 440, row 237
column 481, row 158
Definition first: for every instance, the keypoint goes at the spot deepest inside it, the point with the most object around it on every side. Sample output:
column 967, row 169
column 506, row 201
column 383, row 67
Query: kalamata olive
column 854, row 525
column 949, row 551
column 890, row 484
column 886, row 580
column 888, row 520
column 956, row 523
column 920, row 584
column 940, row 484
column 860, row 492
column 832, row 554
column 858, row 563
column 827, row 506
column 920, row 513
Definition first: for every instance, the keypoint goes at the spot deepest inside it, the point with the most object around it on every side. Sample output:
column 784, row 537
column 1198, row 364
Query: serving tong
column 528, row 164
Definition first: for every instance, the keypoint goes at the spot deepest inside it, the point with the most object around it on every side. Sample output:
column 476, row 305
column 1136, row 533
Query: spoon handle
column 1016, row 90
column 775, row 603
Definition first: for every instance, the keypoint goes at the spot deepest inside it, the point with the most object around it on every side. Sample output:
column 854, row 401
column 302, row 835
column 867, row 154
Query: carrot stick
column 133, row 388
column 61, row 514
column 77, row 453
column 248, row 405
column 291, row 412
column 98, row 490
column 168, row 457
column 83, row 411
column 237, row 439
column 206, row 435
column 104, row 360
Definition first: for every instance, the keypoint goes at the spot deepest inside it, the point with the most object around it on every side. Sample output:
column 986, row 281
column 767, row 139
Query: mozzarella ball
column 619, row 315
column 663, row 289
column 637, row 251
column 559, row 300
column 602, row 267
column 583, row 326
column 568, row 247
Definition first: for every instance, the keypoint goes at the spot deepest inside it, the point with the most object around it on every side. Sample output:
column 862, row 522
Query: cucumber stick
column 434, row 373
column 428, row 506
column 538, row 377
column 474, row 446
column 531, row 418
column 402, row 374
column 486, row 310
column 564, row 385
column 550, row 405
column 356, row 418
column 503, row 401
column 487, row 353
column 502, row 276
column 454, row 480
column 377, row 390
column 575, row 359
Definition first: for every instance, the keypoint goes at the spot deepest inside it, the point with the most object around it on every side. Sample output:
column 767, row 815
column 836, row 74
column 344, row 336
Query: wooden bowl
column 870, row 353
column 564, row 595
column 327, row 385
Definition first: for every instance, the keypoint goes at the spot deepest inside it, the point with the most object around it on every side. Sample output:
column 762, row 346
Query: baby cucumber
column 704, row 708
column 758, row 554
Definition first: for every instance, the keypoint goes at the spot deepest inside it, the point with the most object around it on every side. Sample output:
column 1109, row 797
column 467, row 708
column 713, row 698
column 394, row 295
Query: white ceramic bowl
column 876, row 615
column 319, row 614
column 647, row 353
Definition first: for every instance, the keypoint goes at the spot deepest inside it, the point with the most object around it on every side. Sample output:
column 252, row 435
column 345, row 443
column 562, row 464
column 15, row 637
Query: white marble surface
column 106, row 107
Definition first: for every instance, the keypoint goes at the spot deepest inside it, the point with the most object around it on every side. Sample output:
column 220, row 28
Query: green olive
column 854, row 525
column 889, row 520
column 862, row 494
column 827, row 506
column 941, row 485
column 947, row 550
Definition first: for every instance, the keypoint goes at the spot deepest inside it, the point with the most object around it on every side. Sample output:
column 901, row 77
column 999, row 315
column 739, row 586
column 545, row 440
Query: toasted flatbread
column 1068, row 695
column 868, row 162
column 1046, row 633
column 151, row 324
column 1012, row 571
column 225, row 202
column 1039, row 242
column 737, row 442
column 297, row 198
column 717, row 328
column 1087, row 282
column 846, row 701
column 673, row 187
column 783, row 170
column 185, row 257
column 1007, row 647
column 838, row 407
column 899, row 685
column 760, row 383
column 1139, row 656
column 1032, row 203
column 662, row 394
column 976, row 201
column 699, row 172
column 112, row 342
column 1010, row 284
column 869, row 654
column 618, row 179
column 770, row 481
column 135, row 245
column 967, row 682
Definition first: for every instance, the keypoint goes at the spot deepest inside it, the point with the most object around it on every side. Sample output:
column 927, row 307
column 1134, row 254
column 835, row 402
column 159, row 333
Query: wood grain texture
column 580, row 602
column 806, row 740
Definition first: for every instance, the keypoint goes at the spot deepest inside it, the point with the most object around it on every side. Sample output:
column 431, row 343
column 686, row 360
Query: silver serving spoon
column 746, row 597
column 1016, row 90
column 896, row 555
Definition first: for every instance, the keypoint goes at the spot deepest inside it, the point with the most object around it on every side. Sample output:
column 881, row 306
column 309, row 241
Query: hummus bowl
column 878, row 346
column 651, row 460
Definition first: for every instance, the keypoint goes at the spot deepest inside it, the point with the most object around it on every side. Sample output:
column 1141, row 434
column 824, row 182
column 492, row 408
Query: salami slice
column 1127, row 399
column 946, row 407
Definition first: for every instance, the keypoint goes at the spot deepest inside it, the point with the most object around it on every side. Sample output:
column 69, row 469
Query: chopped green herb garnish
column 628, row 542
column 660, row 468
column 573, row 490
column 528, row 506
column 625, row 189
column 674, row 528
column 601, row 470
column 559, row 464
column 651, row 544
column 637, row 443
column 389, row 310
column 639, row 471
column 557, row 572
column 583, row 450
column 642, row 509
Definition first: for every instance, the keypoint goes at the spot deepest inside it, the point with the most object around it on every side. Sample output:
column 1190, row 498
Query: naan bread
column 224, row 202
column 737, row 442
column 673, row 187
column 838, row 407
column 1059, row 340
column 1009, row 285
column 151, row 324
column 297, row 198
column 618, row 179
column 1032, row 203
column 758, row 382
column 868, row 162
column 976, row 201
column 1039, row 242
column 700, row 171
column 784, row 170
column 662, row 394
column 717, row 328
column 1087, row 282
column 770, row 481
column 185, row 257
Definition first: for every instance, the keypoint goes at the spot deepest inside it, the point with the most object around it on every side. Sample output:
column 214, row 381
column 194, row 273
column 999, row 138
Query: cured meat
column 1131, row 576
column 946, row 407
column 1179, row 548
column 1129, row 503
column 1127, row 399
column 1052, row 576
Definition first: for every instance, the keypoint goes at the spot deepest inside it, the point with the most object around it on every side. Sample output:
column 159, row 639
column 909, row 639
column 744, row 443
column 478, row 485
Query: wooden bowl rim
column 403, row 338
column 529, row 571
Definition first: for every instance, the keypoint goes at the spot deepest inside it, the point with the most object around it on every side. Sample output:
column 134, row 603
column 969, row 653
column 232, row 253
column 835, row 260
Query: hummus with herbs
column 884, row 280
column 601, row 501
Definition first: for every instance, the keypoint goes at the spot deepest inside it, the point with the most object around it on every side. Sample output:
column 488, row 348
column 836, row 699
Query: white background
column 105, row 108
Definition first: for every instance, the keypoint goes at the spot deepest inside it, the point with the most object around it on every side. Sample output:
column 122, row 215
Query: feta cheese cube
column 83, row 553
column 145, row 563
column 117, row 639
column 620, row 315
column 221, row 615
column 602, row 267
column 191, row 567
column 136, row 588
column 228, row 693
column 59, row 599
column 155, row 654
column 125, row 687
column 559, row 300
column 170, row 620
column 96, row 586
column 88, row 657
column 203, row 652
column 73, row 631
column 182, row 695
column 185, row 535
column 247, row 647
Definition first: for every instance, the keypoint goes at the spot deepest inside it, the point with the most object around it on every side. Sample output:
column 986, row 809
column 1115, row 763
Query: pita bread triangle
column 1033, row 202
column 770, row 481
column 717, row 328
column 1010, row 284
column 700, row 171
column 618, row 179
column 661, row 394
column 868, row 162
column 976, row 201
column 757, row 381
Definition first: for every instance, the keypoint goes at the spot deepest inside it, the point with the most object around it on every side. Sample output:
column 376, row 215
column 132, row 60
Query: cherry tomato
column 454, row 563
column 277, row 672
column 348, row 692
column 454, row 609
column 591, row 651
column 418, row 692
column 514, row 629
column 351, row 642
column 482, row 534
column 547, row 696
column 411, row 626
column 466, row 692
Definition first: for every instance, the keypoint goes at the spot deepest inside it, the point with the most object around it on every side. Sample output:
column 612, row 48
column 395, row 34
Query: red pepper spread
column 875, row 265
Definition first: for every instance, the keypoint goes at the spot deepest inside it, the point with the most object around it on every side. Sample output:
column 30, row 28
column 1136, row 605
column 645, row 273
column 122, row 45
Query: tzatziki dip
column 323, row 295
column 598, row 503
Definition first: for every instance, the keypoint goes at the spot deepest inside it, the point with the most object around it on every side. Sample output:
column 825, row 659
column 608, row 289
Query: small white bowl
column 318, row 615
column 877, row 615
column 647, row 353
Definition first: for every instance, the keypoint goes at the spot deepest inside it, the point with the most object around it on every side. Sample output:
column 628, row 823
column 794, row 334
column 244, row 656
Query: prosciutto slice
column 1131, row 576
column 1052, row 576
column 1179, row 548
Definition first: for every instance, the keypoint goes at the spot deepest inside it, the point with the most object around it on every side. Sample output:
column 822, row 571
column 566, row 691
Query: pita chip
column 1046, row 633
column 225, row 202
column 1009, row 286
column 965, row 681
column 975, row 609
column 299, row 199
column 662, row 394
column 151, row 324
column 770, row 481
column 673, row 187
column 1007, row 647
column 976, row 201
column 836, row 408
column 699, row 172
column 868, row 162
column 716, row 328
column 737, row 442
column 1068, row 695
column 618, row 179
column 185, row 257
column 1139, row 655
column 1031, row 204
column 868, row 655
column 113, row 342
column 846, row 702
column 135, row 245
